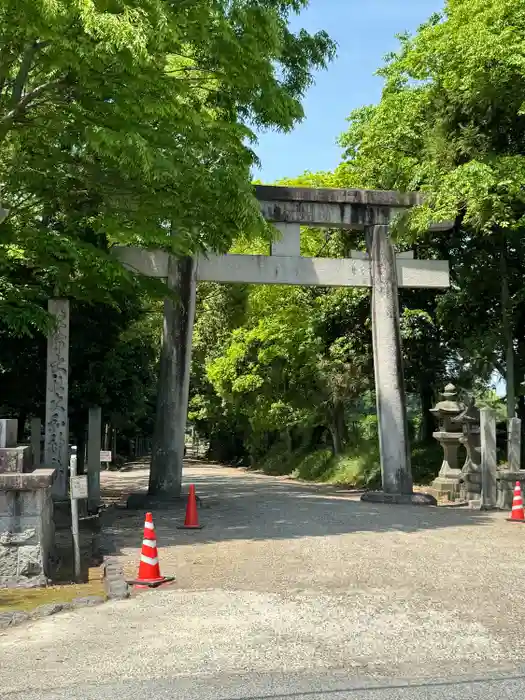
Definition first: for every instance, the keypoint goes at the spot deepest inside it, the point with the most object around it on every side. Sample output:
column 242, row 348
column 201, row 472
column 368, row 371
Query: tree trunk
column 174, row 377
column 289, row 440
column 80, row 439
column 508, row 337
column 336, row 439
column 106, row 440
column 338, row 428
column 22, row 418
column 426, row 395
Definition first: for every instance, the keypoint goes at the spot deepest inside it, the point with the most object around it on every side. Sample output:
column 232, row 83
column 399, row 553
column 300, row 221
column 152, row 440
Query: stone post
column 174, row 379
column 8, row 432
column 56, row 447
column 388, row 366
column 36, row 432
column 488, row 459
column 514, row 445
column 93, row 456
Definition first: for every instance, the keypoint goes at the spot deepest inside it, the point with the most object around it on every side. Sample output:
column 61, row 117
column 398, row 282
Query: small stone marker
column 94, row 456
column 514, row 444
column 489, row 463
column 8, row 432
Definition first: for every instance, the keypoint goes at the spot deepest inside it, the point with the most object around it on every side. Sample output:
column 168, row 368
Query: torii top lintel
column 338, row 208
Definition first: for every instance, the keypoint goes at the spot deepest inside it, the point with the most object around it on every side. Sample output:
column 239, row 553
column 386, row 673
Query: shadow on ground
column 242, row 506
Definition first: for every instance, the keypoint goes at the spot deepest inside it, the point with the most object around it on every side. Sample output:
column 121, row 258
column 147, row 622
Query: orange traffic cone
column 517, row 514
column 192, row 517
column 149, row 570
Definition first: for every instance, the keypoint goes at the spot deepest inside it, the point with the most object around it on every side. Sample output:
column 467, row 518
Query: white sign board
column 106, row 456
column 79, row 487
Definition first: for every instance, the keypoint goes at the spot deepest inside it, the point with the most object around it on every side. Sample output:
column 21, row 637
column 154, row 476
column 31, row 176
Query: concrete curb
column 115, row 584
column 115, row 587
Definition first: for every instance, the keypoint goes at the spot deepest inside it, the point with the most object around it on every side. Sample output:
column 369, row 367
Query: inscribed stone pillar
column 36, row 432
column 56, row 446
column 514, row 444
column 93, row 456
column 174, row 379
column 388, row 365
column 488, row 459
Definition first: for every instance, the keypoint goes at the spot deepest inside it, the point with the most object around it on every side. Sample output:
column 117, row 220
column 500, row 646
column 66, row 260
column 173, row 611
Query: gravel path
column 293, row 577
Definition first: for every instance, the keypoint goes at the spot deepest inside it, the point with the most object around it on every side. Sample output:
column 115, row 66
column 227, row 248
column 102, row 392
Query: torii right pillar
column 394, row 444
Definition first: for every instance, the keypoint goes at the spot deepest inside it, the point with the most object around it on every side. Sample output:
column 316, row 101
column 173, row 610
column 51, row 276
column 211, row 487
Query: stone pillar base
column 16, row 459
column 444, row 485
column 470, row 486
column 414, row 499
column 505, row 482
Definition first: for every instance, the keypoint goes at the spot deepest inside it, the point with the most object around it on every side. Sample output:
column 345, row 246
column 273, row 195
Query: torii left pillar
column 174, row 379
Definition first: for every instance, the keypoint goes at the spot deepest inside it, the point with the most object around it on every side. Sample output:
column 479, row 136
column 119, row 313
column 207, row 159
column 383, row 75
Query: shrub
column 278, row 461
column 368, row 428
column 314, row 466
column 359, row 467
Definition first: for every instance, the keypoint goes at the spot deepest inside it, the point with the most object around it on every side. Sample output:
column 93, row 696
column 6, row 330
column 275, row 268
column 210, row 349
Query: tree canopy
column 130, row 122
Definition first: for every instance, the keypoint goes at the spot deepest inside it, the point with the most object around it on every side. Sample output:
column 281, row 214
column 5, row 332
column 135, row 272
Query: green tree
column 450, row 123
column 139, row 117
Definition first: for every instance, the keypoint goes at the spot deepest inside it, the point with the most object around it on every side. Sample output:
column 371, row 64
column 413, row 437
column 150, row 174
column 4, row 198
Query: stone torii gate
column 288, row 208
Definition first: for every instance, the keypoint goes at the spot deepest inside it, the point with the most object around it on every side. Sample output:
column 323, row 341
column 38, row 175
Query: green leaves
column 129, row 120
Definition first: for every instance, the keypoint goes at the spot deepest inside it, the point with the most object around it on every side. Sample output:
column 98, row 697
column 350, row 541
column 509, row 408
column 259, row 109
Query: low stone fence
column 26, row 514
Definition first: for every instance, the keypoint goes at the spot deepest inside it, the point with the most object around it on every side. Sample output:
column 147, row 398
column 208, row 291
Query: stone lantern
column 449, row 436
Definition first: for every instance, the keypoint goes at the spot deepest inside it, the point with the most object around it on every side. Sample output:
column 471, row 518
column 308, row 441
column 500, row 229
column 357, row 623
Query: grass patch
column 314, row 466
column 28, row 599
column 358, row 467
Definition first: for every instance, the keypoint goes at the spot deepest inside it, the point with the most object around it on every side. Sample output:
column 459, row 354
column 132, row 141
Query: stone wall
column 26, row 531
column 26, row 519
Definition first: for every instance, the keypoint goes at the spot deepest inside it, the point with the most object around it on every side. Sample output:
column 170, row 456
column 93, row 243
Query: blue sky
column 365, row 32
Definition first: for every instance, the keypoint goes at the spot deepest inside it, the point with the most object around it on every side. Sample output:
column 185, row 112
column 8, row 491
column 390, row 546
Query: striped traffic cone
column 149, row 575
column 517, row 514
column 191, row 521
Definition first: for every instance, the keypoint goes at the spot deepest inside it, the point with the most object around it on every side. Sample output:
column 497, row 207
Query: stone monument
column 449, row 437
column 56, row 447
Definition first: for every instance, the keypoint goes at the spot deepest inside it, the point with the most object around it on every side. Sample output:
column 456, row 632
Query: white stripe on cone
column 148, row 526
column 149, row 560
column 150, row 543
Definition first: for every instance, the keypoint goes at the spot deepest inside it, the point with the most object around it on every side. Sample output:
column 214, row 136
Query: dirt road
column 295, row 577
